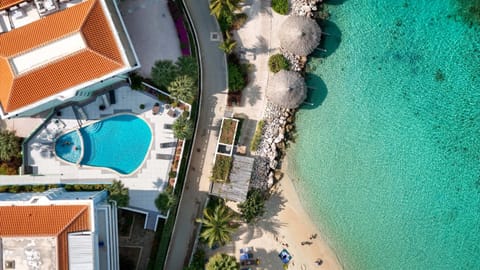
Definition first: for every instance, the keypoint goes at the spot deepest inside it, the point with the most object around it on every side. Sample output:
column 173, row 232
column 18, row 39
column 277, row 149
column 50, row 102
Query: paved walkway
column 212, row 108
column 255, row 38
column 144, row 184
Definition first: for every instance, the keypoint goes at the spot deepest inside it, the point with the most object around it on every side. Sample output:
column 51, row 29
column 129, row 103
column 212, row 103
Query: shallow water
column 389, row 155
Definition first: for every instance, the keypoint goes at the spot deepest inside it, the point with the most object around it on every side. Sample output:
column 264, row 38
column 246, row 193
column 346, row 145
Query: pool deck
column 144, row 184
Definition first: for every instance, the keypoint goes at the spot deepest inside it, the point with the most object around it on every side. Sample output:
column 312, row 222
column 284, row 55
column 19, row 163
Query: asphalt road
column 213, row 102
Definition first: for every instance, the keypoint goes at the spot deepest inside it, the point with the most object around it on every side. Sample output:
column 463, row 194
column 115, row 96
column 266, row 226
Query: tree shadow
column 317, row 92
column 159, row 184
column 269, row 258
column 262, row 45
column 331, row 39
column 275, row 203
column 254, row 8
column 252, row 94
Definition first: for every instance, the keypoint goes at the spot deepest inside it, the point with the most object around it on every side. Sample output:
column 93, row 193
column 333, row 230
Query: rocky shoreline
column 279, row 122
column 278, row 129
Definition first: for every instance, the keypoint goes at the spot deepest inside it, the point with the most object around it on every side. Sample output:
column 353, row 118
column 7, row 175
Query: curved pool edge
column 79, row 165
column 54, row 148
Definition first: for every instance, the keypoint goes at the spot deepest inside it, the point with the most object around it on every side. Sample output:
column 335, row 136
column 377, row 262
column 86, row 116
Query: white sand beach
column 285, row 223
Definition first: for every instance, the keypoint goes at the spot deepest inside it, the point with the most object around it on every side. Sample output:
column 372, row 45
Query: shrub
column 239, row 21
column 226, row 21
column 278, row 62
column 10, row 145
column 183, row 128
column 163, row 73
column 172, row 174
column 236, row 80
column 222, row 261
column 257, row 136
column 136, row 81
column 280, row 6
column 119, row 193
column 164, row 201
column 228, row 45
column 254, row 205
column 198, row 260
column 221, row 169
column 183, row 88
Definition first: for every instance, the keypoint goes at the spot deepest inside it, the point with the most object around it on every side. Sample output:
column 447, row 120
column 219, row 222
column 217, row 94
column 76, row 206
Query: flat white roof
column 48, row 53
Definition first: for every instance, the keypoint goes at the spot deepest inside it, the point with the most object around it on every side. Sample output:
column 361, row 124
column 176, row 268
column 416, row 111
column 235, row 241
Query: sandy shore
column 284, row 223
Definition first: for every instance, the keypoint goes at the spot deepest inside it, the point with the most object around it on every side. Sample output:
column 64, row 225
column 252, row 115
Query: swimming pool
column 119, row 143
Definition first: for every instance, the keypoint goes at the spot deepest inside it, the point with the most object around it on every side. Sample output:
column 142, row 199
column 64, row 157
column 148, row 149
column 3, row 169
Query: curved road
column 213, row 103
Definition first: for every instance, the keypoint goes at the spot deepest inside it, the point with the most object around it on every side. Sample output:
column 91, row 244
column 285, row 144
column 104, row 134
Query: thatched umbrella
column 300, row 35
column 287, row 89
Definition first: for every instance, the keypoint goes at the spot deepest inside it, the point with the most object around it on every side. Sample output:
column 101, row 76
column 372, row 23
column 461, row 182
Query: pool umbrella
column 300, row 35
column 287, row 89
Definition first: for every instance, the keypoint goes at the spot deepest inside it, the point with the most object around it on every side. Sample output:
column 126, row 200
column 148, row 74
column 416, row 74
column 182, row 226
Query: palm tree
column 217, row 7
column 163, row 73
column 10, row 145
column 187, row 65
column 183, row 128
column 221, row 261
column 119, row 193
column 253, row 206
column 183, row 88
column 164, row 201
column 228, row 45
column 217, row 225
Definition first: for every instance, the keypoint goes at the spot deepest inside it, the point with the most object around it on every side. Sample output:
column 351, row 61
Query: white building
column 58, row 230
column 57, row 51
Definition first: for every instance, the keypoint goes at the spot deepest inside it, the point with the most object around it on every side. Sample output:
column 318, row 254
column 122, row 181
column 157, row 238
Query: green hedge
column 236, row 79
column 278, row 62
column 258, row 136
column 280, row 6
column 26, row 188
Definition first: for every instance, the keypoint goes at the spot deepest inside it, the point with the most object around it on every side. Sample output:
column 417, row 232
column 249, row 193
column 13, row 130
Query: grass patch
column 257, row 136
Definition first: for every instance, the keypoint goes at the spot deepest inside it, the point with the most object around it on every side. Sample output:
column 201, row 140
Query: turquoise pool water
column 119, row 143
column 389, row 158
column 69, row 146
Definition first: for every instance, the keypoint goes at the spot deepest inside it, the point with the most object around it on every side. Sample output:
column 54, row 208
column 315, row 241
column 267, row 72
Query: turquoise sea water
column 120, row 143
column 389, row 157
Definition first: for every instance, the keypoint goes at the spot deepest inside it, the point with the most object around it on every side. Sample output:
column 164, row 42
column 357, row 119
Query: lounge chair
column 168, row 144
column 165, row 156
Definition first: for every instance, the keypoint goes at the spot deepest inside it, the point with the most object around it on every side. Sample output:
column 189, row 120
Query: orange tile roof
column 53, row 220
column 8, row 3
column 101, row 57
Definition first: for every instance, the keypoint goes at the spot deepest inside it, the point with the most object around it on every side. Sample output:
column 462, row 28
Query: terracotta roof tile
column 101, row 58
column 45, row 30
column 100, row 39
column 54, row 220
column 8, row 3
column 38, row 220
column 56, row 77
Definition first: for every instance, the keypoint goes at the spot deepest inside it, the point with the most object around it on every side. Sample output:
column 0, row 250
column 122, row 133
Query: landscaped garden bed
column 229, row 129
column 180, row 26
column 221, row 169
